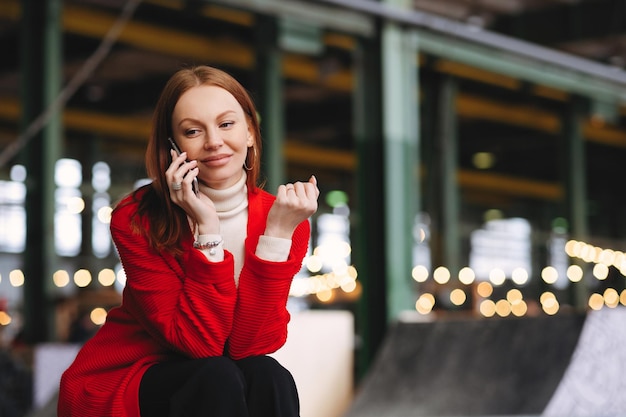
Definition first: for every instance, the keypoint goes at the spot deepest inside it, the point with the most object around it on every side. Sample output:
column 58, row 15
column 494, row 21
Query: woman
column 208, row 273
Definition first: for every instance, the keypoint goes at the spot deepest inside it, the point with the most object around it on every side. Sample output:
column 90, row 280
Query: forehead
column 205, row 101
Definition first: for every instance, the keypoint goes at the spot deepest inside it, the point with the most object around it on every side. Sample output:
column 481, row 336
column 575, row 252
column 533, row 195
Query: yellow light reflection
column 82, row 278
column 61, row 278
column 98, row 316
column 425, row 303
column 5, row 319
column 466, row 275
column 574, row 273
column 325, row 296
column 622, row 298
column 333, row 250
column 121, row 277
column 348, row 286
column 483, row 160
column 16, row 277
column 484, row 289
column 519, row 309
column 549, row 274
column 106, row 277
column 596, row 254
column 497, row 276
column 352, row 272
column 104, row 214
column 314, row 263
column 606, row 257
column 441, row 275
column 611, row 297
column 503, row 308
column 519, row 276
column 546, row 296
column 514, row 296
column 458, row 297
column 570, row 248
column 551, row 306
column 419, row 273
column 549, row 303
column 75, row 205
column 586, row 253
column 600, row 271
column 601, row 256
column 487, row 308
column 331, row 280
column 596, row 301
column 340, row 268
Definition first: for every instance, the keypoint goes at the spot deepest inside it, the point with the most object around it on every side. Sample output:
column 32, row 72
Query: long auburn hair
column 167, row 221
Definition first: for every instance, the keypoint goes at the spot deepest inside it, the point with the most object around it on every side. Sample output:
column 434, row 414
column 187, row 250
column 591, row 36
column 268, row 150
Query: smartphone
column 194, row 184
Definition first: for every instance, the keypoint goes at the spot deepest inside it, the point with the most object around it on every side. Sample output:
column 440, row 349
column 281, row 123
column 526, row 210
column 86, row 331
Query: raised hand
column 294, row 203
column 180, row 175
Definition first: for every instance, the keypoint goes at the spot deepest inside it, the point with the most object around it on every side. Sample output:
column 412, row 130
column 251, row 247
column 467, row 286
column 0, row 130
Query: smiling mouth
column 217, row 159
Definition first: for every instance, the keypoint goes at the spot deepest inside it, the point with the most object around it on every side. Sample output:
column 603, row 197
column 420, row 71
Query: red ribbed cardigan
column 186, row 306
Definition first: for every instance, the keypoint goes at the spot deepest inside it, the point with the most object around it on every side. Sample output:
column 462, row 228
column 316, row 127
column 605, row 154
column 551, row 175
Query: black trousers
column 219, row 387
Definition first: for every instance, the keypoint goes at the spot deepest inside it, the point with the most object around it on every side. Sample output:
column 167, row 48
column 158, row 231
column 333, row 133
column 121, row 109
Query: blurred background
column 470, row 156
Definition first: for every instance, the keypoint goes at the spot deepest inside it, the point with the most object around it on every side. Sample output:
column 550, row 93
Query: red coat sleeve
column 186, row 309
column 261, row 316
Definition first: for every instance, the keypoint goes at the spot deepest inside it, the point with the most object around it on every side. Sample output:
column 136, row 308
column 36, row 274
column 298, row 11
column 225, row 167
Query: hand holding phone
column 194, row 184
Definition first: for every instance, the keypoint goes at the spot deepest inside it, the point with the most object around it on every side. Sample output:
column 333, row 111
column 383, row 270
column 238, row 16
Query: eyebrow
column 222, row 114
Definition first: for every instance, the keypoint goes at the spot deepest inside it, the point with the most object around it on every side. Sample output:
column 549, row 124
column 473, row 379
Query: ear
column 250, row 140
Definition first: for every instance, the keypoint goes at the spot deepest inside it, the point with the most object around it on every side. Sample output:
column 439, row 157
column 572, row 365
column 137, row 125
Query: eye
column 226, row 125
column 192, row 132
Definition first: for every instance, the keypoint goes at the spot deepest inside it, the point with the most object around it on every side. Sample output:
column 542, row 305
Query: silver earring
column 244, row 162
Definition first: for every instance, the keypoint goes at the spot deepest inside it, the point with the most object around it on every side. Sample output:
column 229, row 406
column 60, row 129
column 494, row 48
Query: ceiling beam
column 137, row 129
column 476, row 74
column 503, row 184
column 85, row 22
column 345, row 21
column 468, row 106
column 95, row 24
column 316, row 156
column 474, row 107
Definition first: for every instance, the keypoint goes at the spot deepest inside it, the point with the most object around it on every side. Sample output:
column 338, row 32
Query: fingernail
column 314, row 179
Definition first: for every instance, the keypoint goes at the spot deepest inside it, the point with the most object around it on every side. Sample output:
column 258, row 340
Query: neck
column 229, row 198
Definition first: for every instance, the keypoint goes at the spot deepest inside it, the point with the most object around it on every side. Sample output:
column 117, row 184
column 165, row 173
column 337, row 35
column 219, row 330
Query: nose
column 213, row 139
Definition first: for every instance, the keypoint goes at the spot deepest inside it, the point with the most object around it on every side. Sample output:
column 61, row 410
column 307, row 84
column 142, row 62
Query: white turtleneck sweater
column 232, row 209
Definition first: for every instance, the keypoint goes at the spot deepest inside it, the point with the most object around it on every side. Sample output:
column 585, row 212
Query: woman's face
column 209, row 124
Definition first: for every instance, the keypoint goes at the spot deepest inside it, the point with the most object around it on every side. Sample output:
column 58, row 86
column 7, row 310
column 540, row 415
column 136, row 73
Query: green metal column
column 576, row 180
column 401, row 169
column 271, row 109
column 448, row 153
column 369, row 232
column 41, row 65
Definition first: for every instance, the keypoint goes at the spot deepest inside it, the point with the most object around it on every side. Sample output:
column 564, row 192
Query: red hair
column 168, row 222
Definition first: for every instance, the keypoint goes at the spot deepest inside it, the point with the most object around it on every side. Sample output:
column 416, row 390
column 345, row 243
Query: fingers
column 180, row 174
column 299, row 193
column 295, row 202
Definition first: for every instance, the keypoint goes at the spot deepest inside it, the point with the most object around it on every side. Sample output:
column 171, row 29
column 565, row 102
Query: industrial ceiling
column 521, row 122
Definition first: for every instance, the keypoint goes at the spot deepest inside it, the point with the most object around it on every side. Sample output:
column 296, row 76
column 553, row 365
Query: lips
column 216, row 160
